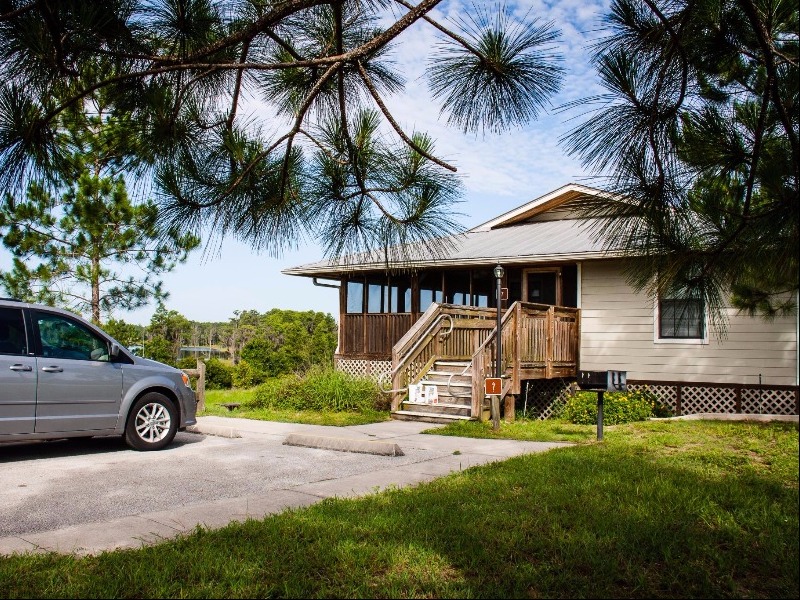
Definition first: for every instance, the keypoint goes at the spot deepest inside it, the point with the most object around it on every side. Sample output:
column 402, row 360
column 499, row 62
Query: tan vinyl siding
column 617, row 332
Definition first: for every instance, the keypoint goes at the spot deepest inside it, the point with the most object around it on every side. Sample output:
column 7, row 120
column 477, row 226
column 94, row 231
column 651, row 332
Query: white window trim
column 690, row 341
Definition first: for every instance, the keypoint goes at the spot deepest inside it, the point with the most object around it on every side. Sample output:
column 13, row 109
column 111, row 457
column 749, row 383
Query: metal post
column 600, row 416
column 498, row 273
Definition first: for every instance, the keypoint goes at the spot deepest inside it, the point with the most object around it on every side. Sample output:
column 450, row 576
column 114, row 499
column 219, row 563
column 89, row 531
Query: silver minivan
column 60, row 376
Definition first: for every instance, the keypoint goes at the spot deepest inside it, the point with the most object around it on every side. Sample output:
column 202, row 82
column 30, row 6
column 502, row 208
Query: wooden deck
column 538, row 341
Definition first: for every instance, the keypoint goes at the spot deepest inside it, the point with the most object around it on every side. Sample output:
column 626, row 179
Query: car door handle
column 19, row 367
column 52, row 369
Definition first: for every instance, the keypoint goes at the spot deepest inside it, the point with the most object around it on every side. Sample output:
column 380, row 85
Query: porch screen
column 430, row 290
column 355, row 296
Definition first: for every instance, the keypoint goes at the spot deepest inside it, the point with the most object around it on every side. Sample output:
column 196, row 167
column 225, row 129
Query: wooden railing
column 539, row 341
column 372, row 334
column 466, row 328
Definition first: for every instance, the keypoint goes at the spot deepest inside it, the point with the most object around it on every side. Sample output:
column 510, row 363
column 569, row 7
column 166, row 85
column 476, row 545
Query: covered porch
column 377, row 310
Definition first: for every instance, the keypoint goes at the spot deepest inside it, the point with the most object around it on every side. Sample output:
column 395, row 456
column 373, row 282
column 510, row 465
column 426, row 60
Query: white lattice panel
column 375, row 369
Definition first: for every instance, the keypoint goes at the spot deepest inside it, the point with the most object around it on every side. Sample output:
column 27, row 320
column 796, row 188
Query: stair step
column 442, row 404
column 428, row 417
column 453, row 363
column 448, row 374
column 443, row 384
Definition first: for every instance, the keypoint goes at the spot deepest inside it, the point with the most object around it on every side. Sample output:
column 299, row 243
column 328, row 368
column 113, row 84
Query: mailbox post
column 602, row 382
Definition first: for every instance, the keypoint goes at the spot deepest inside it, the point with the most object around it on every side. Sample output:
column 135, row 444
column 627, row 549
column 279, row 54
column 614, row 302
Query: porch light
column 499, row 272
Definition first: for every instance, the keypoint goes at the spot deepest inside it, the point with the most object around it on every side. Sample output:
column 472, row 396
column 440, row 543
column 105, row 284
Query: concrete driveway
column 86, row 496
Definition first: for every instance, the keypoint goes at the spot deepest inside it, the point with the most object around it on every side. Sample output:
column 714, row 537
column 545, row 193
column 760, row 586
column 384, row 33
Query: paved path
column 87, row 496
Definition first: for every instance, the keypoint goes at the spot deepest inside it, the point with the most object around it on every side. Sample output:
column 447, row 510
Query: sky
column 499, row 172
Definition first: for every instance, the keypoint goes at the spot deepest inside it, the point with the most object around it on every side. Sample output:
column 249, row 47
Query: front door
column 17, row 375
column 542, row 286
column 79, row 388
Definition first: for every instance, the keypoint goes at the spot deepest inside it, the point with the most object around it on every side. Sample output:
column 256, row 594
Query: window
column 379, row 294
column 12, row 332
column 681, row 318
column 430, row 290
column 355, row 297
column 63, row 338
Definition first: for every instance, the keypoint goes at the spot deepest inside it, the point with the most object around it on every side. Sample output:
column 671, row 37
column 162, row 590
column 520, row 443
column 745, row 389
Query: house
column 565, row 305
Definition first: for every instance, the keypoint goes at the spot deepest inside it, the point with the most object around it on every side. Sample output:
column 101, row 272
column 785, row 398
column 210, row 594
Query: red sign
column 493, row 386
column 503, row 293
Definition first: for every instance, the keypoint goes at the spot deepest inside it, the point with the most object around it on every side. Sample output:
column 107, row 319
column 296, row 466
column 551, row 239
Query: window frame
column 37, row 336
column 657, row 310
column 25, row 330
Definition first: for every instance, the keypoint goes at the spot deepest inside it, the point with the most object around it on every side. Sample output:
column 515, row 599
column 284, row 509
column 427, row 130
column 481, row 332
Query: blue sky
column 499, row 172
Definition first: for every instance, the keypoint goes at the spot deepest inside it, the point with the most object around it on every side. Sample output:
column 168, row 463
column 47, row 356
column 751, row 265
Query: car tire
column 152, row 422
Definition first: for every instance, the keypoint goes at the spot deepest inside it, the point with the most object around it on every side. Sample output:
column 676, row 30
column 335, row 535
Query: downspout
column 338, row 287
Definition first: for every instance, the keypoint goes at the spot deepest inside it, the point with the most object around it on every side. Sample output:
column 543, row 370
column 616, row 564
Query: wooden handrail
column 410, row 353
column 422, row 338
column 538, row 340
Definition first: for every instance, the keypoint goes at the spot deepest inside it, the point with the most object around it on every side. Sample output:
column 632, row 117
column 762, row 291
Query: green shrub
column 219, row 375
column 245, row 375
column 188, row 362
column 322, row 389
column 618, row 407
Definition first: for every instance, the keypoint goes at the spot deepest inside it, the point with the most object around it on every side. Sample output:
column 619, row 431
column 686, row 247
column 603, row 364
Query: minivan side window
column 12, row 332
column 64, row 338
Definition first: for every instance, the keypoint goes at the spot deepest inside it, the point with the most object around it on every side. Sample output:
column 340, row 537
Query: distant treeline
column 245, row 351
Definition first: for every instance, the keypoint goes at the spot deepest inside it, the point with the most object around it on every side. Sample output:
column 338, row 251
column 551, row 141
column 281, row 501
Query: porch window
column 379, row 295
column 430, row 290
column 483, row 288
column 400, row 295
column 355, row 296
column 456, row 284
column 681, row 318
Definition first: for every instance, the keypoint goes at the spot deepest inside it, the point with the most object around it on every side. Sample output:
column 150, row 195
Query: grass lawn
column 533, row 430
column 678, row 509
column 215, row 398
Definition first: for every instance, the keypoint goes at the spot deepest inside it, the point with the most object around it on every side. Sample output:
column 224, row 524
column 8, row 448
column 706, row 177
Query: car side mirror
column 114, row 350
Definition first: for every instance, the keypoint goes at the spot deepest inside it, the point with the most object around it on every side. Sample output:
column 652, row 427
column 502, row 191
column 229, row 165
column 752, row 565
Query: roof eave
column 339, row 270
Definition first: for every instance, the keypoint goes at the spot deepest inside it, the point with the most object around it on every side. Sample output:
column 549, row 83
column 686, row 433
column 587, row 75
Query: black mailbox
column 603, row 381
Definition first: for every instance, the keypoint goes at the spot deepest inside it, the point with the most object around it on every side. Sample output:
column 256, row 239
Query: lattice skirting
column 376, row 369
column 542, row 398
column 693, row 398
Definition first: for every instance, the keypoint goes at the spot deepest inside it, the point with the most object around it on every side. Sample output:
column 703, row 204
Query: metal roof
column 526, row 243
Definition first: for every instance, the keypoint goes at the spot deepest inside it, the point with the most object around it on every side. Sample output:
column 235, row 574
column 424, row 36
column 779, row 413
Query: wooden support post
column 508, row 410
column 201, row 386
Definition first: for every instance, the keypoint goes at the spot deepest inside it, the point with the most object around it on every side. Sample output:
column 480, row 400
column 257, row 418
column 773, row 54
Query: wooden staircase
column 454, row 348
column 454, row 389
